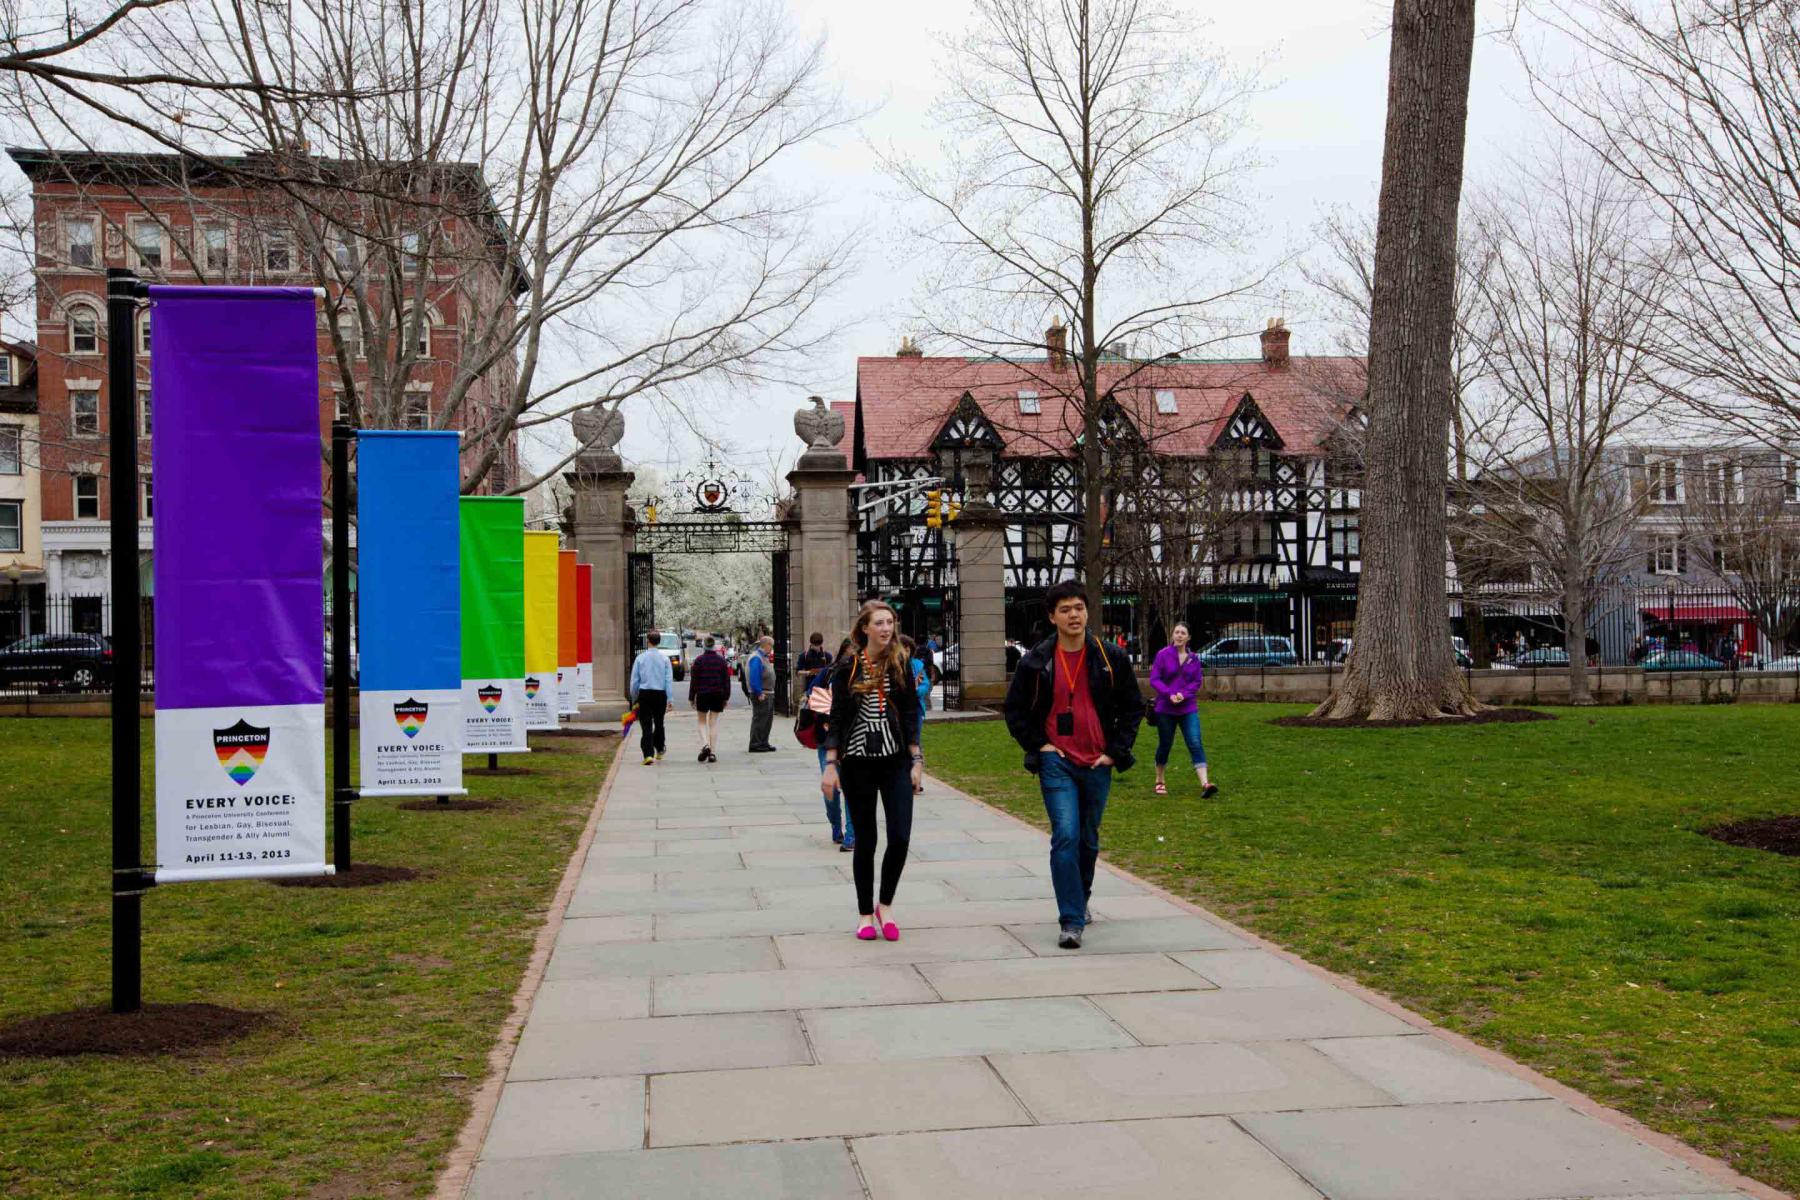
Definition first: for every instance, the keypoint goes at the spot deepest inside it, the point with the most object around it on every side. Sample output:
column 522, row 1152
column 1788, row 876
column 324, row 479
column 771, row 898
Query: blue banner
column 409, row 611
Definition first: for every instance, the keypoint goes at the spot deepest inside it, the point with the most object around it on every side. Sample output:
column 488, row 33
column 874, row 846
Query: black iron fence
column 64, row 644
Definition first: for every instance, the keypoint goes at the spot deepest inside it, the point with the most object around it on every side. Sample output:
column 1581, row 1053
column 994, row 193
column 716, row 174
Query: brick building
column 404, row 327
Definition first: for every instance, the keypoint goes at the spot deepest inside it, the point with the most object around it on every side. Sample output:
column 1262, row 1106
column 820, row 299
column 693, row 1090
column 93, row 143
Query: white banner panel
column 584, row 683
column 565, row 692
column 493, row 714
column 240, row 792
column 540, row 701
column 411, row 743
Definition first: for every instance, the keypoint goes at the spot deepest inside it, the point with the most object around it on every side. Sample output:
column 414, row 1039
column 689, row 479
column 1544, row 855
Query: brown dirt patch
column 457, row 804
column 1491, row 716
column 497, row 771
column 155, row 1029
column 1778, row 835
column 359, row 875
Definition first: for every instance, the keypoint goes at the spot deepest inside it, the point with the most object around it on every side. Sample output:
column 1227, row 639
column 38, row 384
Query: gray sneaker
column 1087, row 917
column 1069, row 938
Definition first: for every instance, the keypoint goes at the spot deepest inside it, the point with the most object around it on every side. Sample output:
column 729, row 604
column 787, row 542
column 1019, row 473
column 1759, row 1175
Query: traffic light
column 934, row 509
column 951, row 508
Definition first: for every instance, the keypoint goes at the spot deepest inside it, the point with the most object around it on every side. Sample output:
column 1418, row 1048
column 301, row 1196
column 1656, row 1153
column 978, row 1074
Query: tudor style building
column 1252, row 442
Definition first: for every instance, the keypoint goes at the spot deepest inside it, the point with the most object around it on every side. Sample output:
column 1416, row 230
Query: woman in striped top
column 872, row 748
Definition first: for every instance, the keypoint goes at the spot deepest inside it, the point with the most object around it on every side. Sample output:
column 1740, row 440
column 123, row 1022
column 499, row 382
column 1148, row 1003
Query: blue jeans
column 837, row 812
column 1075, row 800
column 1189, row 724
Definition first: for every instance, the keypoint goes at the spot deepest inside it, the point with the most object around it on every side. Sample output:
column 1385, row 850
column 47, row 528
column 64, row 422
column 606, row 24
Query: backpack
column 809, row 726
column 743, row 674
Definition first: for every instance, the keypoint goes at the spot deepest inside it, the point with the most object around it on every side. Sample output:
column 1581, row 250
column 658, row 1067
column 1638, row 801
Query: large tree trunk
column 1575, row 606
column 1402, row 666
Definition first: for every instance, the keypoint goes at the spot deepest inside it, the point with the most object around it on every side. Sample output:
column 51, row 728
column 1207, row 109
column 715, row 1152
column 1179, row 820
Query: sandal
column 1162, row 789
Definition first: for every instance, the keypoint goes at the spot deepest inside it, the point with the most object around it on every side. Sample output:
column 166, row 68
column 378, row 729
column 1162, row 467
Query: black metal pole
column 129, row 879
column 493, row 762
column 340, row 645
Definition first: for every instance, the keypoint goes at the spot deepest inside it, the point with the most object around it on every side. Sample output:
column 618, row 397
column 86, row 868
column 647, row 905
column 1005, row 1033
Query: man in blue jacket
column 760, row 678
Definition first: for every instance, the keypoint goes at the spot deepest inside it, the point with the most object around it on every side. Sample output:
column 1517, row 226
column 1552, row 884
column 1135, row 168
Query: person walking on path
column 843, row 828
column 709, row 690
column 813, row 657
column 921, row 678
column 1176, row 677
column 652, row 679
column 1074, row 706
column 759, row 678
column 872, row 748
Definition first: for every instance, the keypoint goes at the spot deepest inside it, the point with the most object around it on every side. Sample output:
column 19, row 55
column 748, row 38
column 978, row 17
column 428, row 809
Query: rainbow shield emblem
column 489, row 697
column 409, row 714
column 241, row 750
column 531, row 687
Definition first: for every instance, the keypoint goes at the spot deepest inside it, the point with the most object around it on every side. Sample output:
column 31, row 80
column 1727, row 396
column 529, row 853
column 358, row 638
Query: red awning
column 1718, row 614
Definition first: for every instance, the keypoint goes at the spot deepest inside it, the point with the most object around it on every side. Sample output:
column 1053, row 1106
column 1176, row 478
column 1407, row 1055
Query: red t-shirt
column 1069, row 694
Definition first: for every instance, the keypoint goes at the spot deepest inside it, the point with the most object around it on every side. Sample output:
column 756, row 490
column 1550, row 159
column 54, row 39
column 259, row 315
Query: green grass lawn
column 384, row 1001
column 1540, row 887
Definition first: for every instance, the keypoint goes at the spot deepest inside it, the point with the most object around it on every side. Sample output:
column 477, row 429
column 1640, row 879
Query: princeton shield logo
column 531, row 687
column 489, row 697
column 241, row 750
column 410, row 716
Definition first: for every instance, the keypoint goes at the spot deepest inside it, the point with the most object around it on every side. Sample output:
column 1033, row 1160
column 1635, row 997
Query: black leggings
column 861, row 779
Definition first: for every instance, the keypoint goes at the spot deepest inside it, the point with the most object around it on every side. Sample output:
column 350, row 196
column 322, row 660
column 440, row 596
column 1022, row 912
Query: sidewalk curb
column 1705, row 1164
column 459, row 1167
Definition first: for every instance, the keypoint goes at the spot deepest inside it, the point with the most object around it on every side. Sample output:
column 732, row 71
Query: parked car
column 1340, row 648
column 1543, row 656
column 674, row 651
column 1789, row 663
column 1250, row 652
column 1681, row 660
column 83, row 661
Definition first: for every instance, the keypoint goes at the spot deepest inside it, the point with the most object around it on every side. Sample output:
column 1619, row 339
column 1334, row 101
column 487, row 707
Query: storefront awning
column 1718, row 614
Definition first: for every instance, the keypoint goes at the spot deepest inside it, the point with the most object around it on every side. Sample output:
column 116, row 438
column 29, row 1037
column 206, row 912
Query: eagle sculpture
column 818, row 426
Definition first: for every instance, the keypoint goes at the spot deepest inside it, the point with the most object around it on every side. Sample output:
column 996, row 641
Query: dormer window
column 1165, row 403
column 1724, row 481
column 1663, row 480
column 1028, row 404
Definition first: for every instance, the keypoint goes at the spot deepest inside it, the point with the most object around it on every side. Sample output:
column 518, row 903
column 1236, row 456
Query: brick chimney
column 1275, row 342
column 909, row 349
column 1056, row 341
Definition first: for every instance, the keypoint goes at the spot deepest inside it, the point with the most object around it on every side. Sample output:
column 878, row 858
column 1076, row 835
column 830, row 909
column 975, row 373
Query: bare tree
column 1402, row 665
column 1697, row 104
column 1744, row 521
column 1089, row 162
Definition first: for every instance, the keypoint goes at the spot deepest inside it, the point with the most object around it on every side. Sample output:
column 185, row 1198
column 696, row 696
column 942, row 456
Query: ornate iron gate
column 640, row 602
column 951, row 665
column 784, row 647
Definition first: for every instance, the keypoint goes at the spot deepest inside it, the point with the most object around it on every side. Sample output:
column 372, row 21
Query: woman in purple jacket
column 1176, row 677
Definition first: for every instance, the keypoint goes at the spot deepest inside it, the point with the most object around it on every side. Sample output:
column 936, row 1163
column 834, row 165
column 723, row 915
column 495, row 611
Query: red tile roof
column 904, row 401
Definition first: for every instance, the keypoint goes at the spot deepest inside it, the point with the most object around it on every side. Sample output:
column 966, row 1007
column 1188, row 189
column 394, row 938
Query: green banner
column 493, row 587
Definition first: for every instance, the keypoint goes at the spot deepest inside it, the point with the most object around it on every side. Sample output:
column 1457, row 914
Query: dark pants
column 861, row 779
column 1075, row 800
column 762, row 717
column 652, row 706
column 1189, row 725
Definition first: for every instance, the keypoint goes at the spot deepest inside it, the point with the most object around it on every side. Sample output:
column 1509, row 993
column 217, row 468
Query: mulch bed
column 1778, row 835
column 359, row 875
column 497, row 771
column 155, row 1029
column 1492, row 716
column 457, row 804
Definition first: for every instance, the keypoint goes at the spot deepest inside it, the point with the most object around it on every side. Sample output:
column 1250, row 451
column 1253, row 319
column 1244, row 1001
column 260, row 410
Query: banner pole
column 129, row 879
column 341, row 434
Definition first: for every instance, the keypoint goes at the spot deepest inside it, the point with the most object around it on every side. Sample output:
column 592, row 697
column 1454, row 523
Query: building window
column 1663, row 479
column 147, row 244
column 12, row 449
column 278, row 254
column 143, row 332
column 411, row 251
column 87, row 497
column 423, row 347
column 1028, row 403
column 1345, row 536
column 1668, row 557
column 1790, row 478
column 143, row 397
column 1036, row 548
column 216, row 240
column 147, row 508
column 84, row 411
column 350, row 335
column 12, row 526
column 416, row 412
column 84, row 330
column 6, row 370
column 1724, row 481
column 342, row 249
column 1165, row 403
column 83, row 236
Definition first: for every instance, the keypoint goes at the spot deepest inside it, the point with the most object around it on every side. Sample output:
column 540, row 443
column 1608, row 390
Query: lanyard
column 1071, row 673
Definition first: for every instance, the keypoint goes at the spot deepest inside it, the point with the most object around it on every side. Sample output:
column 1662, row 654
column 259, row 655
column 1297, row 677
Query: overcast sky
column 1317, row 127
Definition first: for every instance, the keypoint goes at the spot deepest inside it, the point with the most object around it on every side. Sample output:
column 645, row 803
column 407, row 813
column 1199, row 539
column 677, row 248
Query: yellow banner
column 541, row 571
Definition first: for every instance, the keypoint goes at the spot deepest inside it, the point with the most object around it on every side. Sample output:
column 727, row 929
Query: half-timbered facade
column 1222, row 485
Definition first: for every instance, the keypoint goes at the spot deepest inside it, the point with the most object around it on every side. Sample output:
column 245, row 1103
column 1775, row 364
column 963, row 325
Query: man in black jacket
column 1075, row 707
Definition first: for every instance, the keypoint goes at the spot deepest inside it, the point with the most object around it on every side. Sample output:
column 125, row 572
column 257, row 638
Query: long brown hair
column 893, row 662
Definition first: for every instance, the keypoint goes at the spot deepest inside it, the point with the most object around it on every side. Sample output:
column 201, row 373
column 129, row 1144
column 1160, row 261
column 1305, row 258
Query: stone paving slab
column 591, row 931
column 1250, row 1014
column 687, row 881
column 560, row 1000
column 979, row 942
column 827, row 1101
column 611, row 959
column 1136, row 1160
column 840, row 895
column 569, row 1049
column 590, row 901
column 794, row 988
column 1070, row 975
column 1247, row 969
column 948, row 1030
column 1423, row 1070
column 1515, row 1150
column 1132, row 937
column 1205, row 1079
column 568, row 1116
column 819, row 1170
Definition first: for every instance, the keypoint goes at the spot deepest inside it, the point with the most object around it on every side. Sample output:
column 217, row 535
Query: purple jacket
column 1168, row 675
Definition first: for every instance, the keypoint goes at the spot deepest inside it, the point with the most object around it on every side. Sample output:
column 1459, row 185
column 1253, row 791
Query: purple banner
column 239, row 559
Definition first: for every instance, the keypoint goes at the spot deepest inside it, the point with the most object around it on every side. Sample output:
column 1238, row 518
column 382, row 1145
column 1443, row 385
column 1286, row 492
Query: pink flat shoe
column 866, row 933
column 891, row 932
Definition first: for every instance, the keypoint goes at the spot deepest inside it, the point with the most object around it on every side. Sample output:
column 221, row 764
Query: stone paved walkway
column 708, row 1027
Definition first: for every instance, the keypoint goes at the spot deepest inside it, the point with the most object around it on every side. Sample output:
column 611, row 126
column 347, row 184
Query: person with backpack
column 1074, row 706
column 809, row 728
column 921, row 676
column 709, row 691
column 872, row 749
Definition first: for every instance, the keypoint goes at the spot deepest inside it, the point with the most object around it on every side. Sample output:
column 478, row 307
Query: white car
column 1789, row 663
